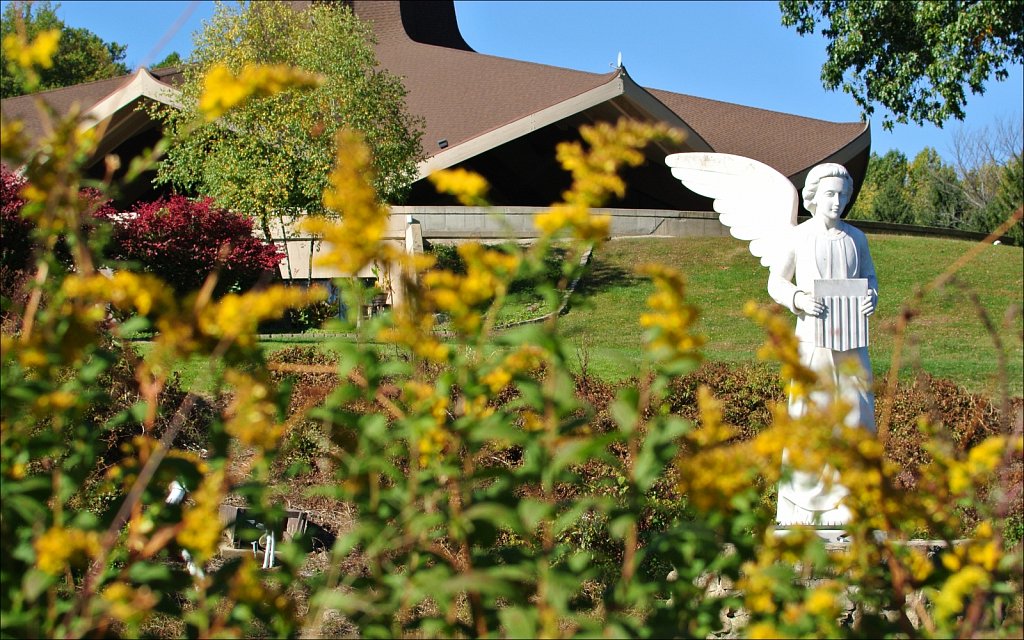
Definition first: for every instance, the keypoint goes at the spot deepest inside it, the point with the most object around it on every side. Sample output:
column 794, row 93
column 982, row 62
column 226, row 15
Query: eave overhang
column 621, row 92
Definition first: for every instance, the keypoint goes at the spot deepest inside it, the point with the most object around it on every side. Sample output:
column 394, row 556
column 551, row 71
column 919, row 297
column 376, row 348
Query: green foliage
column 916, row 59
column 935, row 199
column 82, row 56
column 272, row 156
column 929, row 192
column 888, row 200
column 172, row 59
column 1009, row 197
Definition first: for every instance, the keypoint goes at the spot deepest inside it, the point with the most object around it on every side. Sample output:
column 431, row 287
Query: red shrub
column 181, row 240
column 15, row 231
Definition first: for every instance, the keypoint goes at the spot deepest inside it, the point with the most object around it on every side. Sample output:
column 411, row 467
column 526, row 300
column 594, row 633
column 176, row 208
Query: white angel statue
column 822, row 271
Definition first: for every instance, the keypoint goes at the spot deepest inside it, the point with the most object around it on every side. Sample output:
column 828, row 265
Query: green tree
column 934, row 194
column 1009, row 196
column 884, row 196
column 82, row 56
column 172, row 59
column 914, row 58
column 273, row 155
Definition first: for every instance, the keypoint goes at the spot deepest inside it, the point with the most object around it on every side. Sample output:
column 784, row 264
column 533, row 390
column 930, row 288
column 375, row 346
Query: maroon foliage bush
column 15, row 231
column 181, row 241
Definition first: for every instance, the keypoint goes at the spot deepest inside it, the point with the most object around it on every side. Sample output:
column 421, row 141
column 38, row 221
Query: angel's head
column 830, row 185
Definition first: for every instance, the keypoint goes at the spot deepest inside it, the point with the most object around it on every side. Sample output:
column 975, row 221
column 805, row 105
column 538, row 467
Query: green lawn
column 947, row 339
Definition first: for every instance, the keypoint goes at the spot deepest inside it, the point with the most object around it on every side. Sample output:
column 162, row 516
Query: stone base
column 829, row 534
column 735, row 621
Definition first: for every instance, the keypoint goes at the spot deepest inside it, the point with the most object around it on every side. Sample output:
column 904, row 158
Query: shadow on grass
column 601, row 276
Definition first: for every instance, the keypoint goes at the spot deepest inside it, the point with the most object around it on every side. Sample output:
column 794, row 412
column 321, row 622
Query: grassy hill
column 947, row 339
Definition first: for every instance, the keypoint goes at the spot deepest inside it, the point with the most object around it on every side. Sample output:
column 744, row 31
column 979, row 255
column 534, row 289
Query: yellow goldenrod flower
column 670, row 337
column 60, row 547
column 127, row 604
column 38, row 53
column 201, row 528
column 223, row 90
column 823, row 602
column 951, row 598
column 252, row 414
column 468, row 187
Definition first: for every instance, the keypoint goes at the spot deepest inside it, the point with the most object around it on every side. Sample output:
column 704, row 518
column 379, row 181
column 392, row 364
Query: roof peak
column 430, row 22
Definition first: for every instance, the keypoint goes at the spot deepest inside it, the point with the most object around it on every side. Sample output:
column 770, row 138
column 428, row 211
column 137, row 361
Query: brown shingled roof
column 462, row 94
column 784, row 141
column 60, row 100
column 84, row 95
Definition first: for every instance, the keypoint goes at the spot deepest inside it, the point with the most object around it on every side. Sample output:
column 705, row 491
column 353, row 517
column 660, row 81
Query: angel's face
column 831, row 198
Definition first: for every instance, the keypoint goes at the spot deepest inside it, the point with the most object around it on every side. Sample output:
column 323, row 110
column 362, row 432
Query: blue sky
column 732, row 51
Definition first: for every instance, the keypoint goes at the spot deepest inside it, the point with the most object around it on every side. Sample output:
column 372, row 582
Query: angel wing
column 756, row 202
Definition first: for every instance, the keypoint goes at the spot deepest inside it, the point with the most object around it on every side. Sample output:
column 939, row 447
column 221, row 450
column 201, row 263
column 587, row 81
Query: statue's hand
column 808, row 304
column 868, row 303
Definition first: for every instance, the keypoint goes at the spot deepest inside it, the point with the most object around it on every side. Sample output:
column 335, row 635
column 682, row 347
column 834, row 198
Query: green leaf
column 148, row 572
column 35, row 583
column 620, row 523
column 624, row 408
column 519, row 622
column 532, row 512
column 498, row 515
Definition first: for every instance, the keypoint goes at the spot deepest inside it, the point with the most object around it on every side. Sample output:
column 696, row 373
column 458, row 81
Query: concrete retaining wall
column 456, row 223
column 460, row 223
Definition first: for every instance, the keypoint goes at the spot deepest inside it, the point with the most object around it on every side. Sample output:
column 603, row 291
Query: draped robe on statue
column 816, row 253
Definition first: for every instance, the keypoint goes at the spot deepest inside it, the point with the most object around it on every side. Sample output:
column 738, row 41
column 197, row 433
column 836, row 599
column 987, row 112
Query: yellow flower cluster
column 712, row 431
column 129, row 605
column 478, row 408
column 585, row 226
column 824, row 601
column 358, row 239
column 12, row 138
column 763, row 631
column 430, row 444
column 981, row 461
column 252, row 414
column 61, row 547
column 951, row 598
column 417, row 336
column 757, row 586
column 670, row 336
column 980, row 550
column 468, row 187
column 248, row 587
column 525, row 358
column 200, row 523
column 532, row 421
column 487, row 274
column 716, row 470
column 422, row 398
column 142, row 293
column 595, row 174
column 237, row 316
column 781, row 346
column 38, row 53
column 223, row 90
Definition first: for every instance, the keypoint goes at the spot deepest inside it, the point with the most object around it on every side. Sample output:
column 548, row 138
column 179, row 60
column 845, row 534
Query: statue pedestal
column 829, row 533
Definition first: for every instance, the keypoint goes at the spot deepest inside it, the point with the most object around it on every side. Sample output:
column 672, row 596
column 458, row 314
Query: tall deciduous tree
column 273, row 155
column 934, row 195
column 884, row 196
column 914, row 58
column 82, row 56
